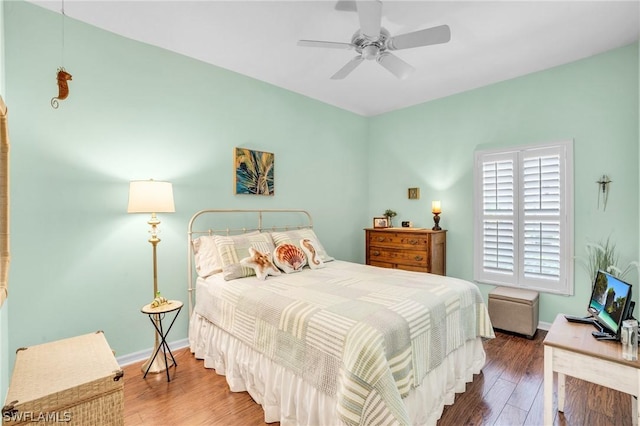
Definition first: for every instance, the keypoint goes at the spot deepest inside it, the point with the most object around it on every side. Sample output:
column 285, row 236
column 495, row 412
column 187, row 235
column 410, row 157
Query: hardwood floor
column 508, row 392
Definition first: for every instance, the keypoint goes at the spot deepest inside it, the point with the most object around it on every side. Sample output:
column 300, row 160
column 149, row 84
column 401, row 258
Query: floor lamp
column 150, row 196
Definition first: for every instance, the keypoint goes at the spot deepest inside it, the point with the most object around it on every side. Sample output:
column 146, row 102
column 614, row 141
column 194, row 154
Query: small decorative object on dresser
column 380, row 222
column 390, row 214
column 411, row 249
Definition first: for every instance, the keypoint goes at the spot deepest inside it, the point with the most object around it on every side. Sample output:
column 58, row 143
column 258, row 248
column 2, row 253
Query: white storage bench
column 514, row 309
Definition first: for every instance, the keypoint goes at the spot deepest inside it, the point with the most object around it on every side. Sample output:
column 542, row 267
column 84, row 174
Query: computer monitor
column 610, row 302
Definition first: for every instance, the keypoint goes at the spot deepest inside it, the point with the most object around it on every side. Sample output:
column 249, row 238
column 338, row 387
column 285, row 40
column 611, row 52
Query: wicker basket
column 74, row 381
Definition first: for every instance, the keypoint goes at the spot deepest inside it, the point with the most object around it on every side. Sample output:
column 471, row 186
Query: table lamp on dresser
column 436, row 209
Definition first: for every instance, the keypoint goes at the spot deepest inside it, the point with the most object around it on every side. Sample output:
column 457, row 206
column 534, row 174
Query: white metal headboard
column 256, row 225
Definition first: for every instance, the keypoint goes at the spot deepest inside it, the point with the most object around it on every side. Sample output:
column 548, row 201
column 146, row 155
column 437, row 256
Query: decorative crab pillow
column 261, row 263
column 289, row 258
column 313, row 257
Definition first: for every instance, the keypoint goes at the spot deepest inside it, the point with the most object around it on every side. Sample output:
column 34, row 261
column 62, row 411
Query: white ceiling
column 490, row 41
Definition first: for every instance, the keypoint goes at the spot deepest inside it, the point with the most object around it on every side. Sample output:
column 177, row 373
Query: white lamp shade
column 150, row 196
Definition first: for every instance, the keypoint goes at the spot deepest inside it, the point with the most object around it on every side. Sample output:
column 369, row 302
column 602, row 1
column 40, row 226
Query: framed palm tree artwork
column 254, row 172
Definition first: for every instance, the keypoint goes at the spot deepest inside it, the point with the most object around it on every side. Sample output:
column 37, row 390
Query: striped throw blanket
column 363, row 335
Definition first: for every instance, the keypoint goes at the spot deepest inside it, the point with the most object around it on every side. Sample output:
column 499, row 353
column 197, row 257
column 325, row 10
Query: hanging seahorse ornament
column 63, row 87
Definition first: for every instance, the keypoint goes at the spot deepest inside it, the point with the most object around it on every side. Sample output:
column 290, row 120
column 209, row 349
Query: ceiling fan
column 373, row 42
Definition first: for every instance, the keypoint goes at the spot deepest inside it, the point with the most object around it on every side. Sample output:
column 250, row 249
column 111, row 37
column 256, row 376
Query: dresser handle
column 418, row 258
column 375, row 253
column 414, row 242
column 381, row 239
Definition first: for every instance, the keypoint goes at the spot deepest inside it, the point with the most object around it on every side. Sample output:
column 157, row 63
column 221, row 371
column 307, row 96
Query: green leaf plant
column 603, row 255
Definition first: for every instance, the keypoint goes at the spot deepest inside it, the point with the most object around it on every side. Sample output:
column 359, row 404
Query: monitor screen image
column 610, row 301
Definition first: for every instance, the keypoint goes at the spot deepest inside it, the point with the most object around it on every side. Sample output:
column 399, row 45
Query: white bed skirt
column 288, row 399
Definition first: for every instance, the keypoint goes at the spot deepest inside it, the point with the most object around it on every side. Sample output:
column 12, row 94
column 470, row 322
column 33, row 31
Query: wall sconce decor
column 414, row 193
column 436, row 209
column 603, row 186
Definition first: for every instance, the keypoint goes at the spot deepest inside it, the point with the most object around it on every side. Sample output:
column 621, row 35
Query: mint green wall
column 4, row 311
column 80, row 263
column 593, row 101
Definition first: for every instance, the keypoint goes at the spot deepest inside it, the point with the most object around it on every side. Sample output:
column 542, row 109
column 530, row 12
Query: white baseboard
column 143, row 355
column 544, row 326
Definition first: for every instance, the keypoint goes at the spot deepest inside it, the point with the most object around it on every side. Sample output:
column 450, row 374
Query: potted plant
column 389, row 214
column 603, row 255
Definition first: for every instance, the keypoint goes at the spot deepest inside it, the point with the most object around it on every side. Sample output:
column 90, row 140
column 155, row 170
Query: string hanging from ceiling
column 62, row 75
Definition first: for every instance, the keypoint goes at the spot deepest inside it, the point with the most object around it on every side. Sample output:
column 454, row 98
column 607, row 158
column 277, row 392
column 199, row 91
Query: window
column 523, row 229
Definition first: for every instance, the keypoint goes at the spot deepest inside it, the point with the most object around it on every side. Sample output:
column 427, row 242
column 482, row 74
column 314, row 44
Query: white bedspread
column 362, row 342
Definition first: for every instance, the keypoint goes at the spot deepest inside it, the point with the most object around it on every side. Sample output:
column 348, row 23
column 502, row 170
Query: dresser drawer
column 397, row 240
column 406, row 257
column 399, row 266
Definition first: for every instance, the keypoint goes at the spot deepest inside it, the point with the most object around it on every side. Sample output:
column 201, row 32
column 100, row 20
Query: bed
column 332, row 342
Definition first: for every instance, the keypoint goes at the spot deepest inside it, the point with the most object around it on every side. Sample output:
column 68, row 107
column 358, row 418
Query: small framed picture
column 380, row 222
column 414, row 193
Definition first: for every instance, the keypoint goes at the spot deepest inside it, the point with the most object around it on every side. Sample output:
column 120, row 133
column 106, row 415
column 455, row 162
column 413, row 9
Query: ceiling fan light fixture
column 373, row 42
column 370, row 52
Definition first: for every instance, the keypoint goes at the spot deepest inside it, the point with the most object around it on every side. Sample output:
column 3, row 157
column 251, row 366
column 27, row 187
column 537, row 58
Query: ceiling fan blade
column 426, row 37
column 346, row 70
column 346, row 6
column 370, row 14
column 329, row 44
column 395, row 65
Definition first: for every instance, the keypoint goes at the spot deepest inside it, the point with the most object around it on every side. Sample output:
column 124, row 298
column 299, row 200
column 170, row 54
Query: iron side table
column 156, row 316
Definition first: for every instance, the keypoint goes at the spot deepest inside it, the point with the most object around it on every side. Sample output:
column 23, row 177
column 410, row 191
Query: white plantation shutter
column 498, row 209
column 523, row 217
column 541, row 206
column 498, row 253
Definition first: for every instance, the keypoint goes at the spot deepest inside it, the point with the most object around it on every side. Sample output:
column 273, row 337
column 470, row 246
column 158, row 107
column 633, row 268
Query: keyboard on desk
column 582, row 320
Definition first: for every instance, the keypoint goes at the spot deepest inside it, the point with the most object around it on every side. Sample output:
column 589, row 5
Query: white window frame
column 563, row 284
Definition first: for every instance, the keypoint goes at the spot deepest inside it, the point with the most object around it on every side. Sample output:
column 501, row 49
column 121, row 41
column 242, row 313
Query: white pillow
column 313, row 258
column 232, row 249
column 205, row 255
column 289, row 258
column 294, row 237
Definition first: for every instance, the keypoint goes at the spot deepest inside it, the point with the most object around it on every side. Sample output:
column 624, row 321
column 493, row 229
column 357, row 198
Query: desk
column 571, row 350
column 156, row 315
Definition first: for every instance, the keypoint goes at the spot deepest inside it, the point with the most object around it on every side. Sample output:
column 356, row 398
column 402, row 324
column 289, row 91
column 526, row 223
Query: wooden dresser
column 412, row 249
